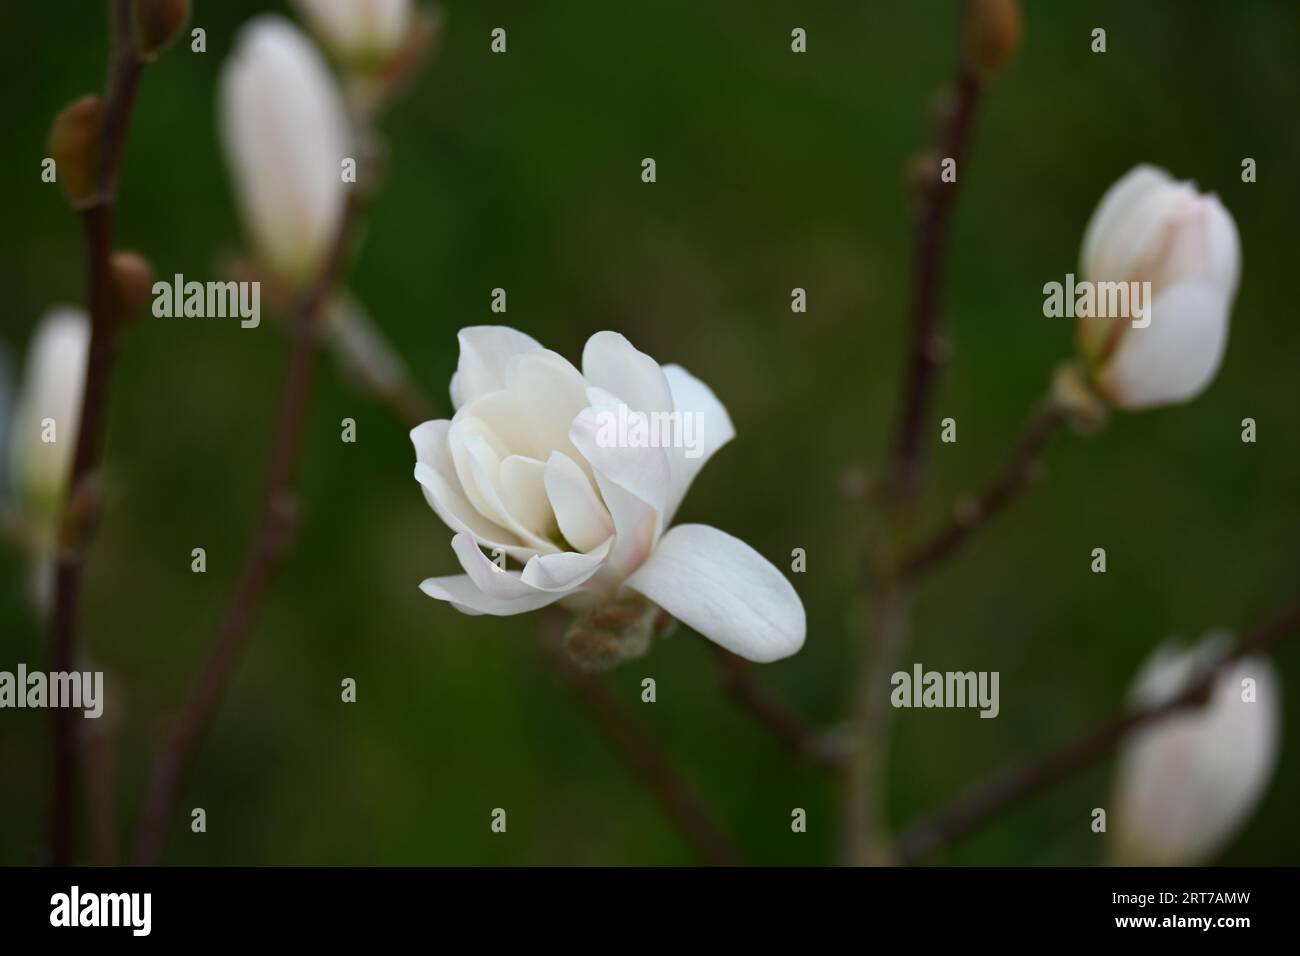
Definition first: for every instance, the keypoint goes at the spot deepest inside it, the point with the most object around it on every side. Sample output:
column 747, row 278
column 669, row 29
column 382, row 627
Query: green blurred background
column 774, row 171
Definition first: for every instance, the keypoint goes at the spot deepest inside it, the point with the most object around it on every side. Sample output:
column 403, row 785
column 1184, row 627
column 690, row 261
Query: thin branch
column 887, row 632
column 645, row 757
column 275, row 529
column 986, row 799
column 810, row 744
column 969, row 515
column 928, row 343
column 97, row 224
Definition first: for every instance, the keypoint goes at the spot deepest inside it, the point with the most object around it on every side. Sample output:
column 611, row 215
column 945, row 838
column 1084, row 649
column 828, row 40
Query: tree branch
column 644, row 756
column 80, row 514
column 986, row 799
column 1021, row 470
column 814, row 746
column 275, row 529
column 886, row 636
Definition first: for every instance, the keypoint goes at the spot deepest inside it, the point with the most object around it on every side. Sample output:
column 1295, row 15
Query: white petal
column 725, row 590
column 465, row 596
column 1128, row 223
column 549, row 393
column 710, row 427
column 583, row 518
column 485, row 351
column 436, row 474
column 1176, row 357
column 1185, row 784
column 523, row 485
column 566, row 570
column 633, row 483
column 1202, row 244
column 478, row 457
column 52, row 385
column 609, row 361
column 285, row 132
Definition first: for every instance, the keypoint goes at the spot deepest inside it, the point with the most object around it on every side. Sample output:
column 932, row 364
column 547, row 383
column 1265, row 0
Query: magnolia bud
column 992, row 34
column 46, row 418
column 74, row 145
column 1177, row 251
column 286, row 135
column 361, row 33
column 158, row 23
column 132, row 286
column 1185, row 784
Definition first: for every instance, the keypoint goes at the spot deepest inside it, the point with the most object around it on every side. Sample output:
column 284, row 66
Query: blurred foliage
column 774, row 171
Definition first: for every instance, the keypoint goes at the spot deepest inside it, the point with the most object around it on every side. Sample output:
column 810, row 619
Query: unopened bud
column 993, row 34
column 132, row 286
column 158, row 23
column 74, row 145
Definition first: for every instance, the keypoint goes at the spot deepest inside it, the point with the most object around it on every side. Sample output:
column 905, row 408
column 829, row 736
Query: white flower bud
column 1148, row 228
column 1187, row 783
column 46, row 418
column 286, row 135
column 361, row 32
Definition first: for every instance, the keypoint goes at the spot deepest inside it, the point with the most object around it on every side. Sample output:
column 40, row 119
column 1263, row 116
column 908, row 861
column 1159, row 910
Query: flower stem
column 79, row 516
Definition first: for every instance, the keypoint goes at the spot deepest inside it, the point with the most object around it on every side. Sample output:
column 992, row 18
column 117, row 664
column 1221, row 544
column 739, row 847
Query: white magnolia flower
column 522, row 468
column 359, row 31
column 286, row 135
column 1150, row 228
column 47, row 414
column 1186, row 783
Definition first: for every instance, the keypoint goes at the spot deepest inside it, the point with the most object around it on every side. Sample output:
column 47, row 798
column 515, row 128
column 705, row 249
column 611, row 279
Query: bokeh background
column 775, row 171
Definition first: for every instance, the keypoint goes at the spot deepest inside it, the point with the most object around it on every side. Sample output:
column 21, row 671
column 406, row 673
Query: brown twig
column 97, row 224
column 807, row 743
column 986, row 799
column 275, row 528
column 644, row 756
column 1020, row 471
column 928, row 343
column 890, row 617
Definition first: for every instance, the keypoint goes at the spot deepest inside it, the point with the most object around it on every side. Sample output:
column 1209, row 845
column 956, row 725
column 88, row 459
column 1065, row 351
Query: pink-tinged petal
column 485, row 352
column 609, row 361
column 1176, row 357
column 725, row 590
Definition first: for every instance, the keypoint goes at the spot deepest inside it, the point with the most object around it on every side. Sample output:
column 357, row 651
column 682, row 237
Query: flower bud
column 992, row 34
column 132, row 286
column 74, row 146
column 286, row 135
column 1177, row 250
column 361, row 33
column 46, row 418
column 1185, row 784
column 157, row 24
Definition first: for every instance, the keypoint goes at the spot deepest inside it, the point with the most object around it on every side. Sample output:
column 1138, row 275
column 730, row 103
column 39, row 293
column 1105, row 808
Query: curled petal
column 485, row 352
